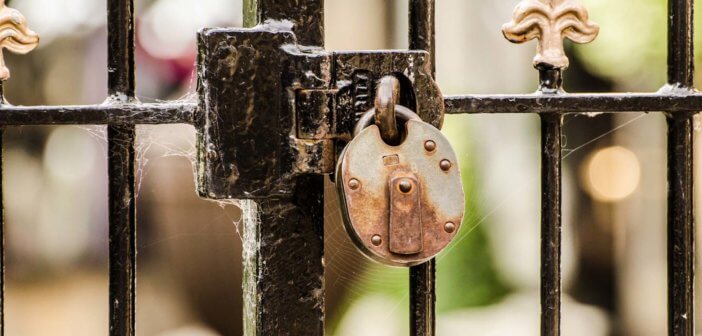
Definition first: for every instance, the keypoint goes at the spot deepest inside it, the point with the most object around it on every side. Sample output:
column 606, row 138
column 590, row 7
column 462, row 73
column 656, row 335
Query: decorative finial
column 15, row 36
column 550, row 21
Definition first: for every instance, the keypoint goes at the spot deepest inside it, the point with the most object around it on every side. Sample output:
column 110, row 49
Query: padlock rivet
column 376, row 240
column 449, row 227
column 405, row 186
column 445, row 165
column 430, row 145
column 354, row 184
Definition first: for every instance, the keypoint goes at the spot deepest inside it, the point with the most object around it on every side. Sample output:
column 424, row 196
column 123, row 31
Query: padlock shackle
column 387, row 96
column 368, row 118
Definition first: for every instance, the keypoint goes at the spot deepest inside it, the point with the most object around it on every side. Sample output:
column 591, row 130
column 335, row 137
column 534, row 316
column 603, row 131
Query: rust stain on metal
column 550, row 21
column 313, row 156
column 386, row 98
column 405, row 224
column 391, row 160
column 15, row 36
column 368, row 210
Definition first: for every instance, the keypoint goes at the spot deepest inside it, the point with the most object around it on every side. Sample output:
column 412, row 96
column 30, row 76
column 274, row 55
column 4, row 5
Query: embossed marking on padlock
column 371, row 175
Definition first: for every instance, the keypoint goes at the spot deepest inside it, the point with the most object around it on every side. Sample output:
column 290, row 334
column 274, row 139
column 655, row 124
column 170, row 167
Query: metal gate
column 286, row 178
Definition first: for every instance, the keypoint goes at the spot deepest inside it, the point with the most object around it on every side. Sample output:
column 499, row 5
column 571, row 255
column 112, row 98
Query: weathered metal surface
column 681, row 219
column 357, row 72
column 575, row 103
column 247, row 140
column 306, row 17
column 112, row 113
column 422, row 24
column 550, row 81
column 121, row 158
column 405, row 223
column 284, row 267
column 284, row 250
column 2, row 226
column 550, row 21
column 320, row 108
column 387, row 96
column 270, row 108
column 315, row 114
column 368, row 118
column 551, row 135
column 367, row 207
column 15, row 36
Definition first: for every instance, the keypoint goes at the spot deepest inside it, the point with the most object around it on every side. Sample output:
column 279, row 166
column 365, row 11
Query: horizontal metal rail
column 113, row 113
column 184, row 112
column 574, row 103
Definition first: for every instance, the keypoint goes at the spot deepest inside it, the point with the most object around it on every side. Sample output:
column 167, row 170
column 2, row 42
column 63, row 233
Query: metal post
column 120, row 146
column 284, row 250
column 551, row 132
column 422, row 277
column 2, row 225
column 681, row 229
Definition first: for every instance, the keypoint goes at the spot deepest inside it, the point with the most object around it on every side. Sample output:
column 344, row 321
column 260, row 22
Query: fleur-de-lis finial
column 15, row 36
column 550, row 21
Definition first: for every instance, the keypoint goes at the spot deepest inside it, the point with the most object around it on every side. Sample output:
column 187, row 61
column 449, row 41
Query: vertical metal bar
column 284, row 249
column 120, row 146
column 681, row 231
column 422, row 277
column 551, row 132
column 306, row 15
column 2, row 225
column 422, row 27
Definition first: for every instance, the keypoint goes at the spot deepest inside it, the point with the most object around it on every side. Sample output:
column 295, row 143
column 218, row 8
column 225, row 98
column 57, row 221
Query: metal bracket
column 271, row 110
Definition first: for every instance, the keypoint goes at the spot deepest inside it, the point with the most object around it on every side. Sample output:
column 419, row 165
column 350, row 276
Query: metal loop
column 368, row 118
column 387, row 95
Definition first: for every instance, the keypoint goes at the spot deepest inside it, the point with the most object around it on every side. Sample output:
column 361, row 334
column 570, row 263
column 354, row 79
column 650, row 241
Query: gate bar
column 111, row 113
column 284, row 250
column 2, row 224
column 668, row 100
column 551, row 133
column 120, row 146
column 681, row 228
column 422, row 277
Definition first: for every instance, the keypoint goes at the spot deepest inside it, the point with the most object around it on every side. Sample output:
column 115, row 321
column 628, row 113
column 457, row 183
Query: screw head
column 430, row 145
column 376, row 240
column 445, row 165
column 405, row 186
column 354, row 184
column 449, row 227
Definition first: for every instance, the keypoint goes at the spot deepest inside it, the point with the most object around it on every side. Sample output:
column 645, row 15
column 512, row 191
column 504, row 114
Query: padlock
column 401, row 203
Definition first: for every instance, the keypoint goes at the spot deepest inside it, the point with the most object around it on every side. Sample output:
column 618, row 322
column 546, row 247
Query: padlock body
column 385, row 221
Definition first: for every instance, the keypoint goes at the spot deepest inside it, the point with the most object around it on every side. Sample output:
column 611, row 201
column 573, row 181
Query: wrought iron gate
column 287, row 296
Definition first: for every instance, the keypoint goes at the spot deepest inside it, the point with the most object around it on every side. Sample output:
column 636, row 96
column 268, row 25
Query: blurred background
column 189, row 279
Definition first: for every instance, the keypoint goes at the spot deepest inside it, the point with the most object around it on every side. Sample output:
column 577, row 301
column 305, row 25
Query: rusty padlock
column 400, row 189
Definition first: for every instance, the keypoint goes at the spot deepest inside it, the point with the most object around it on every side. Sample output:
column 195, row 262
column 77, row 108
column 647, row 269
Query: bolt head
column 445, row 165
column 405, row 186
column 449, row 227
column 376, row 240
column 354, row 184
column 430, row 145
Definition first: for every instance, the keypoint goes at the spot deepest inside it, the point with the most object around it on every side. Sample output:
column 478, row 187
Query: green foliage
column 631, row 49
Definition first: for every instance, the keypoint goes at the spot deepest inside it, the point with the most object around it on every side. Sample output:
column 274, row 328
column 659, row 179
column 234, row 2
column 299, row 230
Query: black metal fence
column 277, row 309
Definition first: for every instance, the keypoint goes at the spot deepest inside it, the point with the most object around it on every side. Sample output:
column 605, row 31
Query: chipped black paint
column 121, row 158
column 681, row 218
column 270, row 108
column 422, row 278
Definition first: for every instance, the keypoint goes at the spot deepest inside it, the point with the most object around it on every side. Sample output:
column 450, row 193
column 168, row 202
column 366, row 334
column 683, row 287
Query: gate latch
column 272, row 110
